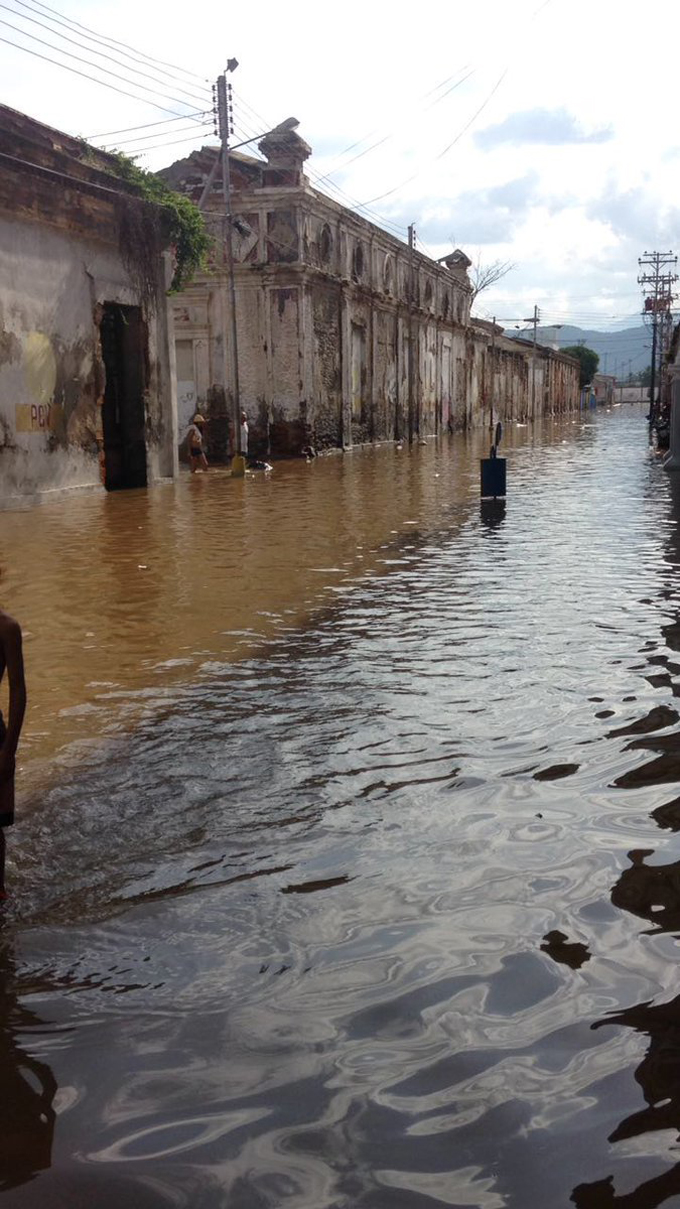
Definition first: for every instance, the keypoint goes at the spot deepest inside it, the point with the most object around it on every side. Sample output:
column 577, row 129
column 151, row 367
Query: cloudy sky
column 536, row 132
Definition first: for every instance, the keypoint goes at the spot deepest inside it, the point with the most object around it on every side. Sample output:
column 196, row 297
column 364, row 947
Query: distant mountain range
column 620, row 352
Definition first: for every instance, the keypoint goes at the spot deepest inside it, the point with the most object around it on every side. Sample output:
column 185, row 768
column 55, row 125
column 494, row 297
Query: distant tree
column 645, row 378
column 588, row 359
column 484, row 275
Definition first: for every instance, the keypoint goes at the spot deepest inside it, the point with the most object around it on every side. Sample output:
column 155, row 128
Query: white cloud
column 551, row 127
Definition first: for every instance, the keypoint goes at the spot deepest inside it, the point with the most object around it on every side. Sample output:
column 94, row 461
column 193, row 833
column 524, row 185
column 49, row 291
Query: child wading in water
column 195, row 440
column 11, row 660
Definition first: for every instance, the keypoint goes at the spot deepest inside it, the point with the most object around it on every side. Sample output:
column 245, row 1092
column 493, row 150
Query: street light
column 556, row 328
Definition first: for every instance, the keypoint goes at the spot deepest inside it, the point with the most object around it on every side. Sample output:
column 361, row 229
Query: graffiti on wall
column 39, row 365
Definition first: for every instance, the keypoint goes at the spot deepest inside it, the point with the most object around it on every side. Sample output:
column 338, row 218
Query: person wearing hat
column 195, row 442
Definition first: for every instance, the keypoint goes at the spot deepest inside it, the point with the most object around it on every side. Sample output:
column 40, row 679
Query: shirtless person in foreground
column 11, row 659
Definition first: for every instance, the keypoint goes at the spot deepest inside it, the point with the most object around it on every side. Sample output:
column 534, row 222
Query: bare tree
column 483, row 275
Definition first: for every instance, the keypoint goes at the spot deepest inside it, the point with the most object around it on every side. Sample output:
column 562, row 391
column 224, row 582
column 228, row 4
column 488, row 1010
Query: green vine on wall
column 182, row 221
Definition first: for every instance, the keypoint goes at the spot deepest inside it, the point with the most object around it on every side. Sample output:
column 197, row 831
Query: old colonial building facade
column 344, row 333
column 86, row 383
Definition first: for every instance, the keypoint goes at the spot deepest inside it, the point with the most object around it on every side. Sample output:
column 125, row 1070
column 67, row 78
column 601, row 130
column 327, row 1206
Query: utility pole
column 411, row 245
column 658, row 302
column 533, row 320
column 225, row 115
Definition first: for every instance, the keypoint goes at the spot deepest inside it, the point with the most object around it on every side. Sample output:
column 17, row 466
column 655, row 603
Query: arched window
column 388, row 275
column 446, row 304
column 428, row 295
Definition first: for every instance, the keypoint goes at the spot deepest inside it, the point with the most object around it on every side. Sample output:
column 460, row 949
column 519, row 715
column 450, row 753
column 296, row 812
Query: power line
column 632, row 294
column 565, row 316
column 103, row 39
column 250, row 148
column 597, row 313
column 390, row 135
column 144, row 138
column 587, row 318
column 318, row 180
column 453, row 87
column 248, row 135
column 358, row 156
column 101, row 54
column 104, row 83
column 208, row 130
column 426, row 250
column 345, row 198
column 79, row 59
column 459, row 136
column 464, row 73
column 436, row 102
column 465, row 128
column 352, row 203
column 613, row 298
column 147, row 126
column 614, row 336
column 616, row 333
column 357, row 205
column 78, row 181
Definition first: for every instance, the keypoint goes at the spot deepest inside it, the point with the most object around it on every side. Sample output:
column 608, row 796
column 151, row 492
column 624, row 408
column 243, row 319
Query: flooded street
column 347, row 871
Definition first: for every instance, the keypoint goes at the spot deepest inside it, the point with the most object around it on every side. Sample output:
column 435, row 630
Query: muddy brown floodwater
column 347, row 872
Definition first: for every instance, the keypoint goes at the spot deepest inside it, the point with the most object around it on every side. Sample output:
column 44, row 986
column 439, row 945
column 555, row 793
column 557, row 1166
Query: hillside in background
column 615, row 349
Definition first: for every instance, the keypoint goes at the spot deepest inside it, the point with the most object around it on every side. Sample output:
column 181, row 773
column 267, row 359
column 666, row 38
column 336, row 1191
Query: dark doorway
column 123, row 340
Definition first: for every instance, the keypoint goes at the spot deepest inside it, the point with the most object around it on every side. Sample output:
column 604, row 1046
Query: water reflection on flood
column 360, row 886
column 27, row 1114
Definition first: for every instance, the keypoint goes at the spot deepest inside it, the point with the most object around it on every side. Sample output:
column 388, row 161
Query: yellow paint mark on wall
column 38, row 417
column 40, row 367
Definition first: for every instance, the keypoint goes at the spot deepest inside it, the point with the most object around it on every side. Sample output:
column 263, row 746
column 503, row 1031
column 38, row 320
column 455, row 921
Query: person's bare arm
column 10, row 637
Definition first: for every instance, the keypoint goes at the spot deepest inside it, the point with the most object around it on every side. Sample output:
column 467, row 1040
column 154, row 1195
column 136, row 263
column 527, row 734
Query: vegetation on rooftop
column 181, row 221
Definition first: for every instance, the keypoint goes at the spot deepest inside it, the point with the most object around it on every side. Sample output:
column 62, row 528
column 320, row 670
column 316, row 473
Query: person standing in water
column 244, row 435
column 12, row 661
column 195, row 441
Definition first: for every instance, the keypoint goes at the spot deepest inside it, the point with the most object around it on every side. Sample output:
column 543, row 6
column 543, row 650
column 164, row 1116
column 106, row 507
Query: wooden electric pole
column 658, row 302
column 226, row 127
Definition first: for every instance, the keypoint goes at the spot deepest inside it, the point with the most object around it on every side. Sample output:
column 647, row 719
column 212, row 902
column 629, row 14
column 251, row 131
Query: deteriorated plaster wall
column 58, row 265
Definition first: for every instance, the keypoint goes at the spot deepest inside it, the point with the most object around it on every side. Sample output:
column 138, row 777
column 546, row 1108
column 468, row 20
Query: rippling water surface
column 348, row 867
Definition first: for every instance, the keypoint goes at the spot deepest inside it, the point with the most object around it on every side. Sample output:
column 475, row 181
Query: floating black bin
column 493, row 476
